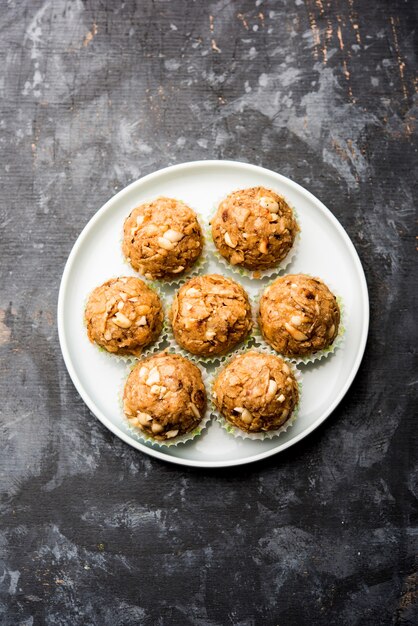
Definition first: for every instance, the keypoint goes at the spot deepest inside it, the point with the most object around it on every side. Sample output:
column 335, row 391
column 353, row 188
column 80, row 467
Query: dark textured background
column 96, row 94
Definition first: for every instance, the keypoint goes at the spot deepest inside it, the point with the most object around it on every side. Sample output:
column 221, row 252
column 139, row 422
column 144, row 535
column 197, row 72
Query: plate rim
column 152, row 451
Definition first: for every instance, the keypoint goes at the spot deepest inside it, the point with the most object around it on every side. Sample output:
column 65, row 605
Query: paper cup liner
column 194, row 270
column 196, row 432
column 242, row 271
column 153, row 348
column 316, row 356
column 239, row 348
column 262, row 436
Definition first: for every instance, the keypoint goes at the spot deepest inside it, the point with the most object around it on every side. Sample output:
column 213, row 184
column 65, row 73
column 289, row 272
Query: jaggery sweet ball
column 124, row 315
column 299, row 315
column 162, row 239
column 256, row 392
column 210, row 315
column 164, row 396
column 254, row 228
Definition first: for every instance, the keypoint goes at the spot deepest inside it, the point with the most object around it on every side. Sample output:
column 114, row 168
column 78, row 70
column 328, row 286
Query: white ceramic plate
column 325, row 250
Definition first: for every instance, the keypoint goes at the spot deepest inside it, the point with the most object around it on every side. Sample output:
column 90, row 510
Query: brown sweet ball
column 165, row 396
column 299, row 315
column 254, row 228
column 162, row 239
column 124, row 315
column 256, row 392
column 210, row 315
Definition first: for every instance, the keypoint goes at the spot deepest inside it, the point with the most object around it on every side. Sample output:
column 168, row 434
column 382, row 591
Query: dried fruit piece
column 269, row 203
column 143, row 372
column 171, row 433
column 153, row 377
column 121, row 320
column 272, row 389
column 173, row 235
column 194, row 409
column 246, row 416
column 296, row 334
column 228, row 241
column 165, row 243
column 237, row 257
column 263, row 246
column 296, row 320
column 144, row 418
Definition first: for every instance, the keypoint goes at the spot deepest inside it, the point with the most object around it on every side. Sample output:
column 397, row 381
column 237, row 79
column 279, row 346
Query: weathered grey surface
column 94, row 95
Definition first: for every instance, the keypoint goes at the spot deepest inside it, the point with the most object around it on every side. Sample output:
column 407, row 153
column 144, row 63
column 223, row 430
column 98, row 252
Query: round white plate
column 325, row 250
